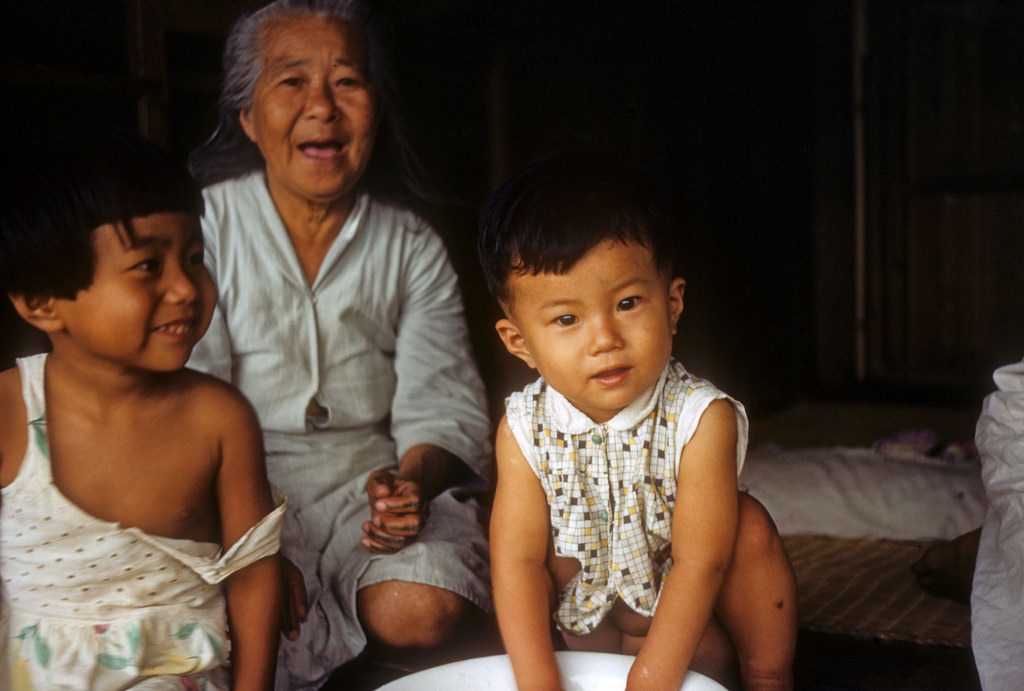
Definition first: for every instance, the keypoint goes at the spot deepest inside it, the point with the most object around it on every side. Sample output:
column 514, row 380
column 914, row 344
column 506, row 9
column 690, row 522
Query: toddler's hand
column 397, row 512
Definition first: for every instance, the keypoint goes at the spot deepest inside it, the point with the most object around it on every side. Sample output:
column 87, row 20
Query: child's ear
column 514, row 341
column 38, row 310
column 675, row 301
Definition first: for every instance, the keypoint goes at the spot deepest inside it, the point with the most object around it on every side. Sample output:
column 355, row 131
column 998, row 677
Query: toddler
column 131, row 487
column 617, row 505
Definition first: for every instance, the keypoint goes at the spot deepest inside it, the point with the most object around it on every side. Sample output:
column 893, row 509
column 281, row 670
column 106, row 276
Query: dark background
column 747, row 111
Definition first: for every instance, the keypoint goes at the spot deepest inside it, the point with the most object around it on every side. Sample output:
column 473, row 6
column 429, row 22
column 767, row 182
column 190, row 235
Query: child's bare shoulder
column 719, row 414
column 713, row 443
column 216, row 403
column 10, row 388
column 12, row 404
column 505, row 444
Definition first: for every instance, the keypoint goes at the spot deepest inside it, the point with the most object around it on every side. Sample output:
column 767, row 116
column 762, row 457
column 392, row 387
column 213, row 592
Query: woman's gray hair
column 230, row 153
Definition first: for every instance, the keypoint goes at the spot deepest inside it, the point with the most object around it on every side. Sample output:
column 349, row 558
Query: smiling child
column 131, row 486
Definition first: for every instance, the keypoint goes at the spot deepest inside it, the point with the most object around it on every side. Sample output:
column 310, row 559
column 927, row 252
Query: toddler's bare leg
column 714, row 657
column 757, row 603
column 605, row 638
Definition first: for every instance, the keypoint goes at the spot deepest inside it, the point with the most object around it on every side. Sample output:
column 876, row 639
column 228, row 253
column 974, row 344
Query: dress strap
column 35, row 466
column 33, row 391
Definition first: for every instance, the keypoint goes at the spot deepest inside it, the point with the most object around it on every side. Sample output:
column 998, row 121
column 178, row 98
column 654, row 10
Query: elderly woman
column 341, row 320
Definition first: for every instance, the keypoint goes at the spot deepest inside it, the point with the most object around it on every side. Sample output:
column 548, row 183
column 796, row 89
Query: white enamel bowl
column 580, row 672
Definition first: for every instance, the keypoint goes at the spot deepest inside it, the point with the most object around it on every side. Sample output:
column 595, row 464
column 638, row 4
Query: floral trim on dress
column 125, row 652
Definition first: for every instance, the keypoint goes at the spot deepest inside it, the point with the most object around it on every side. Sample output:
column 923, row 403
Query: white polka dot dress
column 88, row 604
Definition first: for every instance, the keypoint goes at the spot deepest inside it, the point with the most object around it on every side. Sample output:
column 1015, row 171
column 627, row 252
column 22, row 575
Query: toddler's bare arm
column 523, row 591
column 703, row 535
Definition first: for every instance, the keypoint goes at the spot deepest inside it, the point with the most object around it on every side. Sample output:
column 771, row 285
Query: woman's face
column 314, row 111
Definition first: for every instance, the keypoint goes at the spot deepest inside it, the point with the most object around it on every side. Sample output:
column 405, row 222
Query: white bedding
column 857, row 492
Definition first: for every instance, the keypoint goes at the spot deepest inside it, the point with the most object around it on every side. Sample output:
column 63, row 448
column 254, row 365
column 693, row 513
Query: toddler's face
column 150, row 300
column 601, row 333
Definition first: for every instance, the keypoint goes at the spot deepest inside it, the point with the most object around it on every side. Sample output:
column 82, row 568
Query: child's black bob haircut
column 61, row 187
column 547, row 215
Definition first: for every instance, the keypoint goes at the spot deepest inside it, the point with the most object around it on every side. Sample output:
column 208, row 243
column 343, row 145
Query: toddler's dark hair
column 63, row 186
column 547, row 215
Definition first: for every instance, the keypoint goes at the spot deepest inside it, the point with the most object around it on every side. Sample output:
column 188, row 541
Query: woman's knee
column 409, row 615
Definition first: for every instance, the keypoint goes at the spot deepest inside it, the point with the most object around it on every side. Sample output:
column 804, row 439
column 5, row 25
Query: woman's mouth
column 324, row 150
